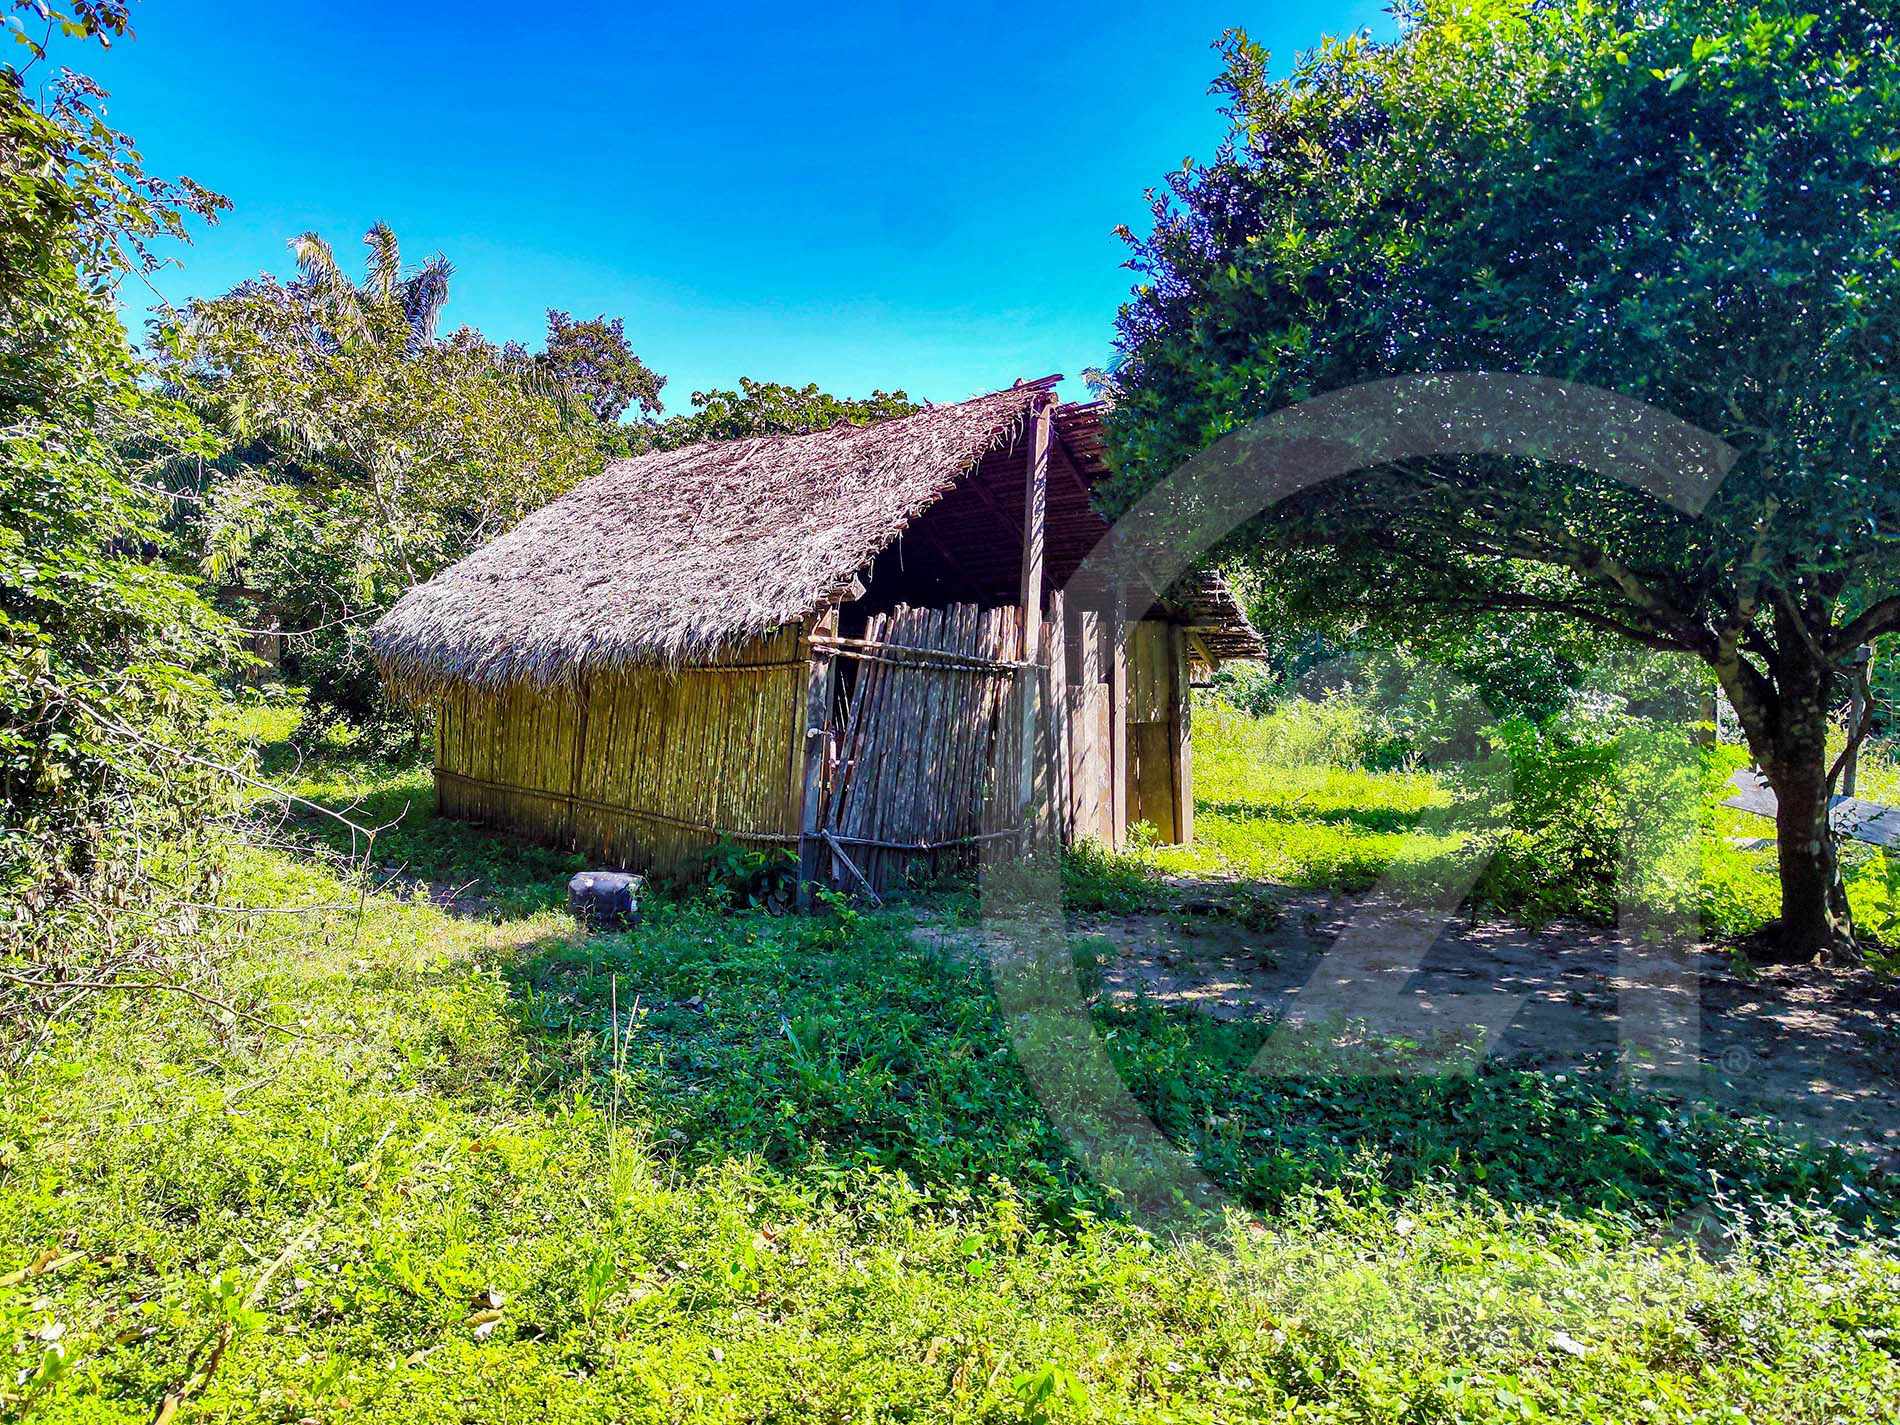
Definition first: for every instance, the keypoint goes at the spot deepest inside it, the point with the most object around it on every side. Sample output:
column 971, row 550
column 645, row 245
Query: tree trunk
column 1786, row 725
column 1814, row 916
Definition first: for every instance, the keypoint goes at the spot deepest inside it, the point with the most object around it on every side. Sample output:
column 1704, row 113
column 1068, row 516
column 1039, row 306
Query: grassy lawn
column 730, row 1166
column 1276, row 802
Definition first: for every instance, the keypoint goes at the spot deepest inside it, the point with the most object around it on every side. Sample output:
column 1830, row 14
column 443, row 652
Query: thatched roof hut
column 751, row 564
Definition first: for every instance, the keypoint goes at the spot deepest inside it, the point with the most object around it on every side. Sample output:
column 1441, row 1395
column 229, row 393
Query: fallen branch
column 48, row 1262
column 211, row 1001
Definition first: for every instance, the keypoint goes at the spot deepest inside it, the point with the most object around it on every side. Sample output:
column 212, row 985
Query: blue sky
column 857, row 196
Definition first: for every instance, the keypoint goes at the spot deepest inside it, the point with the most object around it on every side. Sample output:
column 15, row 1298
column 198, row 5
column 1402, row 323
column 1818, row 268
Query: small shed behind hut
column 839, row 643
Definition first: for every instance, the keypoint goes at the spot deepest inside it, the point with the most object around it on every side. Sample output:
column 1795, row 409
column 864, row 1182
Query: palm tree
column 347, row 310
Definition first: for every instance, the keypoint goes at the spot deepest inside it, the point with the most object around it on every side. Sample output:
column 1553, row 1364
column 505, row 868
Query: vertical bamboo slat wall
column 646, row 767
column 640, row 767
column 924, row 733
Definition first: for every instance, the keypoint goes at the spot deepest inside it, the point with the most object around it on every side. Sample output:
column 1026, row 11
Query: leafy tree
column 769, row 408
column 98, row 641
column 593, row 360
column 361, row 451
column 1690, row 202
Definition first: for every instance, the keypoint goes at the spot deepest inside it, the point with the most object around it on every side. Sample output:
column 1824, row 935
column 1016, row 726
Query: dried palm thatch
column 673, row 557
column 683, row 556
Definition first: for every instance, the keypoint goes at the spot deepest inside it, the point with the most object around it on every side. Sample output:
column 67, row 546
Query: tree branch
column 1882, row 617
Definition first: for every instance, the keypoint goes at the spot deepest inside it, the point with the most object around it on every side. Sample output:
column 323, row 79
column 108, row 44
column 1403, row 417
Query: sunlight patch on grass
column 1309, row 825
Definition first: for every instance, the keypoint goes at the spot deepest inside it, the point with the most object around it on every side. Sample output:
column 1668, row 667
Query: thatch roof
column 674, row 556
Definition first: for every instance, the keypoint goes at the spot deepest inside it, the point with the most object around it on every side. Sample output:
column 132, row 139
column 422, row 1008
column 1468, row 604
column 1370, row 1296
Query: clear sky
column 917, row 197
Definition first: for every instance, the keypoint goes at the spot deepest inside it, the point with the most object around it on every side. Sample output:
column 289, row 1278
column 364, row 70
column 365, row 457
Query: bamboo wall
column 926, row 723
column 647, row 767
column 643, row 767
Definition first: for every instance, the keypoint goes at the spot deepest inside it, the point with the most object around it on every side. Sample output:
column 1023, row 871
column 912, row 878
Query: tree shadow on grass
column 465, row 868
column 1369, row 819
column 827, row 1047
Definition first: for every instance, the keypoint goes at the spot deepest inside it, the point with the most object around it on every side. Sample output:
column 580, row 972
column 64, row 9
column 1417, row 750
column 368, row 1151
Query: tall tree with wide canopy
column 362, row 451
column 594, row 361
column 1691, row 203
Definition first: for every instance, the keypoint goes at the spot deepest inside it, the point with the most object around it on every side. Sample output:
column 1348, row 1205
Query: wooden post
column 1118, row 718
column 1181, row 736
column 1035, row 518
column 1856, row 710
column 811, row 758
column 1061, row 817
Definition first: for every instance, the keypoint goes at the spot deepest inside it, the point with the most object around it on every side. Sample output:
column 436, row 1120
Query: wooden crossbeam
column 1876, row 823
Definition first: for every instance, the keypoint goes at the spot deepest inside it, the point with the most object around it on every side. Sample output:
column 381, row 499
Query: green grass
column 1280, row 799
column 1273, row 803
column 799, row 1175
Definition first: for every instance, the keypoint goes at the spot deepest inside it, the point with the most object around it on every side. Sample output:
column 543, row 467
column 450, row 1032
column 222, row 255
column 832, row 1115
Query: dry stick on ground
column 845, row 861
column 289, row 798
column 211, row 1001
column 48, row 1262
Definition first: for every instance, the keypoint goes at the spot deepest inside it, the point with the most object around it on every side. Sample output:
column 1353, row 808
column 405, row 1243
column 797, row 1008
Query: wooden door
column 1153, row 723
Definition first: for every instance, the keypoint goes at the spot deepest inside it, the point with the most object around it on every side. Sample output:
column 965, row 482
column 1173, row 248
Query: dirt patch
column 462, row 900
column 1817, row 1049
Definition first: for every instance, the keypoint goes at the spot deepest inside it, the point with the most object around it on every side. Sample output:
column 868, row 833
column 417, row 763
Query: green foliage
column 1099, row 878
column 485, row 874
column 769, row 408
column 1310, row 1114
column 1557, row 818
column 809, row 1180
column 102, row 650
column 751, row 877
column 360, row 454
column 1688, row 204
column 593, row 360
column 1597, row 810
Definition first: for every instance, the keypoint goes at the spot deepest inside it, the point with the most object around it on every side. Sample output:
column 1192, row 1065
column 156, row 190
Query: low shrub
column 1594, row 811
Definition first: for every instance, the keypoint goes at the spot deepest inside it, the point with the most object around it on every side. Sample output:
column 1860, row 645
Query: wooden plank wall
column 1152, row 728
column 1090, row 742
column 642, row 767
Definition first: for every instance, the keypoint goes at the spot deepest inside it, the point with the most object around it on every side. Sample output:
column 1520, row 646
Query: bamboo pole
column 1035, row 521
column 820, row 680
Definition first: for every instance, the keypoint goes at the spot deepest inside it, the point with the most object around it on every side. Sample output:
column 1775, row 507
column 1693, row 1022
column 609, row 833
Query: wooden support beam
column 1118, row 718
column 1181, row 739
column 1061, row 809
column 975, row 487
column 1035, row 522
column 1068, row 467
column 811, row 755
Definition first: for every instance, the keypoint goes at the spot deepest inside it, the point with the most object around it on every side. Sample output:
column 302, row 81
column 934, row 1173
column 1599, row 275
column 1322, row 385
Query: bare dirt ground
column 1817, row 1048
